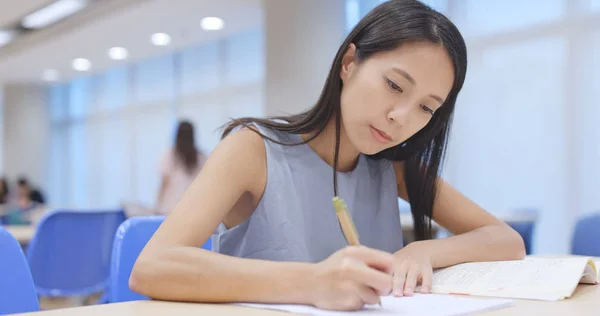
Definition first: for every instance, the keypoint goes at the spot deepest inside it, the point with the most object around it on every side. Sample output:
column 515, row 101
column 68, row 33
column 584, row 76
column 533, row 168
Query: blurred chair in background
column 524, row 221
column 17, row 292
column 130, row 240
column 69, row 255
column 587, row 236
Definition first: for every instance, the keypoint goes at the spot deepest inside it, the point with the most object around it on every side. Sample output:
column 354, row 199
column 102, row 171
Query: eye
column 427, row 109
column 393, row 85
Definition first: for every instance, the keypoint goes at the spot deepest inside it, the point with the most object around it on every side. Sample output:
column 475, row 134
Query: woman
column 380, row 128
column 4, row 192
column 178, row 168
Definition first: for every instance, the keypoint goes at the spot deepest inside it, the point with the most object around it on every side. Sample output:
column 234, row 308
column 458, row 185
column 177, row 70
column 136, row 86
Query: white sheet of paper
column 419, row 304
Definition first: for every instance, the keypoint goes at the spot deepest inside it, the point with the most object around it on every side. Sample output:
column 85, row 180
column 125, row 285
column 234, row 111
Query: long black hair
column 185, row 146
column 385, row 28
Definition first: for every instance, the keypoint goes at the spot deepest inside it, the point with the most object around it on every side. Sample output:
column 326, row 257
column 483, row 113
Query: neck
column 324, row 146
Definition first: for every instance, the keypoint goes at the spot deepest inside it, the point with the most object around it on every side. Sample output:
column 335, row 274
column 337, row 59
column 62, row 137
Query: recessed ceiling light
column 6, row 36
column 81, row 64
column 161, row 39
column 50, row 75
column 212, row 23
column 118, row 53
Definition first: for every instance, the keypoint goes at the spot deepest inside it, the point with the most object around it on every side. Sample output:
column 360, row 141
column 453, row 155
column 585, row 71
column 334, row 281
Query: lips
column 380, row 135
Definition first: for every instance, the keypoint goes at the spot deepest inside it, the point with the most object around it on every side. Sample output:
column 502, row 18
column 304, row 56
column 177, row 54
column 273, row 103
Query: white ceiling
column 126, row 23
column 11, row 11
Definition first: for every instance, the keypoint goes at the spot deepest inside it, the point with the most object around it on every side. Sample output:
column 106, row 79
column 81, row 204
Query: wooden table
column 585, row 301
column 23, row 233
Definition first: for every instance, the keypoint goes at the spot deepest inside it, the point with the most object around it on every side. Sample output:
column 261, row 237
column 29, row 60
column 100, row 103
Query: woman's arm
column 478, row 236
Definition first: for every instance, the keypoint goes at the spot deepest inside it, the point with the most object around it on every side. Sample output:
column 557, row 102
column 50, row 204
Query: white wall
column 26, row 132
column 302, row 38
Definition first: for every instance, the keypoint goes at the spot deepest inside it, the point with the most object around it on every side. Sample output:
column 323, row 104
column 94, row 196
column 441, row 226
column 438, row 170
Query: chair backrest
column 524, row 220
column 69, row 254
column 586, row 236
column 525, row 229
column 131, row 238
column 17, row 292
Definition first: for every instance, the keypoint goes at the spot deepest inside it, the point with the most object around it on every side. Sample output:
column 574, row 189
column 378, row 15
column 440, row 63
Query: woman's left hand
column 412, row 265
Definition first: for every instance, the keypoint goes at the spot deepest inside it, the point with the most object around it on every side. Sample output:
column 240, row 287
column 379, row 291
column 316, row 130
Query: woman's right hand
column 352, row 277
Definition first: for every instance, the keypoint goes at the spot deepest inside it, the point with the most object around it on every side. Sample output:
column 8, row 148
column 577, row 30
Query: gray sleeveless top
column 295, row 219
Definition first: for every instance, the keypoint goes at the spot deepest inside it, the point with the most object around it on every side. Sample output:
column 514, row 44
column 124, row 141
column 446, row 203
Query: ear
column 348, row 62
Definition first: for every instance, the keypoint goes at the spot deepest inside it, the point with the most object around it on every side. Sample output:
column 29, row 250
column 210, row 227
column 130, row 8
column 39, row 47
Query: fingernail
column 408, row 291
column 424, row 290
column 397, row 294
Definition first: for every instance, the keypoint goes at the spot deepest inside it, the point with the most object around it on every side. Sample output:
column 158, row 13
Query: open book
column 532, row 278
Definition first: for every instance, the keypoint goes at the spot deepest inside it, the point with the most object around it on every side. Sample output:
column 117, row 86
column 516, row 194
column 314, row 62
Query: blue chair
column 131, row 238
column 524, row 223
column 587, row 233
column 17, row 292
column 525, row 229
column 69, row 254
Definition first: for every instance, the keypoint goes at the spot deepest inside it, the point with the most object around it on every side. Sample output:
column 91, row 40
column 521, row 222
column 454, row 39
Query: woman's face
column 390, row 96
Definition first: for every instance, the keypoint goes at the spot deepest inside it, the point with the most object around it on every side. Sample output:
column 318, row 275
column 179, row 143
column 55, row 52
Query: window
column 510, row 123
column 478, row 18
column 587, row 110
column 245, row 55
column 59, row 102
column 80, row 97
column 115, row 89
column 154, row 82
column 153, row 137
column 357, row 9
column 201, row 69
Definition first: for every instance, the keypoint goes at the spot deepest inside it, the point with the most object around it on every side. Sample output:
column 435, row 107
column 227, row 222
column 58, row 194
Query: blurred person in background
column 4, row 191
column 178, row 168
column 28, row 196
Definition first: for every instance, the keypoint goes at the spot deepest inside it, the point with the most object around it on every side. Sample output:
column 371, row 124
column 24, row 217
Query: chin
column 370, row 149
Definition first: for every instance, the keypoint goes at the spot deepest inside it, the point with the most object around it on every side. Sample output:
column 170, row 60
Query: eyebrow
column 412, row 80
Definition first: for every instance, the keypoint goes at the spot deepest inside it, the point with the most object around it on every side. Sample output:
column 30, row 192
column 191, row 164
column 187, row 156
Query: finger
column 399, row 278
column 366, row 276
column 374, row 258
column 426, row 280
column 411, row 280
column 368, row 295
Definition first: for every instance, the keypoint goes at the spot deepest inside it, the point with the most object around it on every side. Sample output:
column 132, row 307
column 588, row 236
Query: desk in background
column 22, row 233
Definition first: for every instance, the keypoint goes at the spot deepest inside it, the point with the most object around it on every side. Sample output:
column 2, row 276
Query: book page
column 590, row 275
column 419, row 304
column 535, row 278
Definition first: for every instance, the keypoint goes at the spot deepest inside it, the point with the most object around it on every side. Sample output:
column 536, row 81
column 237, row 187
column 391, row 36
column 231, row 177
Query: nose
column 398, row 115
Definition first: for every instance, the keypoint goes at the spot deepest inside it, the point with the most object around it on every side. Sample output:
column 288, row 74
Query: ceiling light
column 52, row 13
column 212, row 23
column 50, row 75
column 81, row 64
column 161, row 39
column 6, row 37
column 118, row 53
